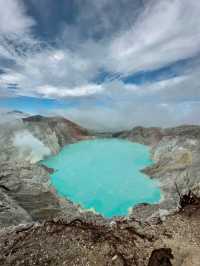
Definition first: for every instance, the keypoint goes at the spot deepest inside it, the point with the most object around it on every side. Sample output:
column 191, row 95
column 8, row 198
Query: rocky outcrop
column 162, row 234
column 176, row 241
column 147, row 136
column 25, row 191
column 54, row 132
column 175, row 152
column 26, row 184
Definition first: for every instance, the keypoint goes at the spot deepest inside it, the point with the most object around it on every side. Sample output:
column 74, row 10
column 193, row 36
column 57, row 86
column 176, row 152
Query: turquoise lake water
column 104, row 175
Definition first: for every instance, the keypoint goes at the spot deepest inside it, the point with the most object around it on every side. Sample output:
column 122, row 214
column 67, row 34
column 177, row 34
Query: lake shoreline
column 117, row 160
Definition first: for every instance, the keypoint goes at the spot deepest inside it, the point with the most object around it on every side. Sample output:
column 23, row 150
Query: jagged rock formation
column 25, row 191
column 162, row 234
column 54, row 132
column 175, row 152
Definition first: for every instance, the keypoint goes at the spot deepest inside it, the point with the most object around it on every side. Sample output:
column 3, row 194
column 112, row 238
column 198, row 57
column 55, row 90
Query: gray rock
column 175, row 152
column 25, row 190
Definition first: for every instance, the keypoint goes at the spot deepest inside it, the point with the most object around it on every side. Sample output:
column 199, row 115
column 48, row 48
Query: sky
column 105, row 64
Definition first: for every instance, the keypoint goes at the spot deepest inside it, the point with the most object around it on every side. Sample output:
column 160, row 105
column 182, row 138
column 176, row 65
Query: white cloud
column 165, row 32
column 126, row 115
column 15, row 30
column 165, row 103
column 13, row 18
column 57, row 92
column 52, row 73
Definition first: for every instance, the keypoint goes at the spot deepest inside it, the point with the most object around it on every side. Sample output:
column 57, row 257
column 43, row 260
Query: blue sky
column 105, row 64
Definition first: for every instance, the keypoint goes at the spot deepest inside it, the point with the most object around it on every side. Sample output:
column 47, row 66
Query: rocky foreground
column 123, row 242
column 56, row 232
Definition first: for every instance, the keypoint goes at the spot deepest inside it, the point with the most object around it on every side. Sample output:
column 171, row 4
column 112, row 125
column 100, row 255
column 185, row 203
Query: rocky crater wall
column 26, row 194
column 39, row 228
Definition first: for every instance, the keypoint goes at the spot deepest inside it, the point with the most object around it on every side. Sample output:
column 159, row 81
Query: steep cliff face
column 22, row 138
column 25, row 191
column 175, row 152
column 54, row 132
column 26, row 184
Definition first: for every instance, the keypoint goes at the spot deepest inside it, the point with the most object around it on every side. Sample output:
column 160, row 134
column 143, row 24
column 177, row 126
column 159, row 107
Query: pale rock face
column 163, row 214
column 164, row 149
column 26, row 195
column 192, row 142
column 25, row 188
column 175, row 152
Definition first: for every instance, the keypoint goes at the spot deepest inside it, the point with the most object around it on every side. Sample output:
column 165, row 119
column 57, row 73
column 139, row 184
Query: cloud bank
column 95, row 57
